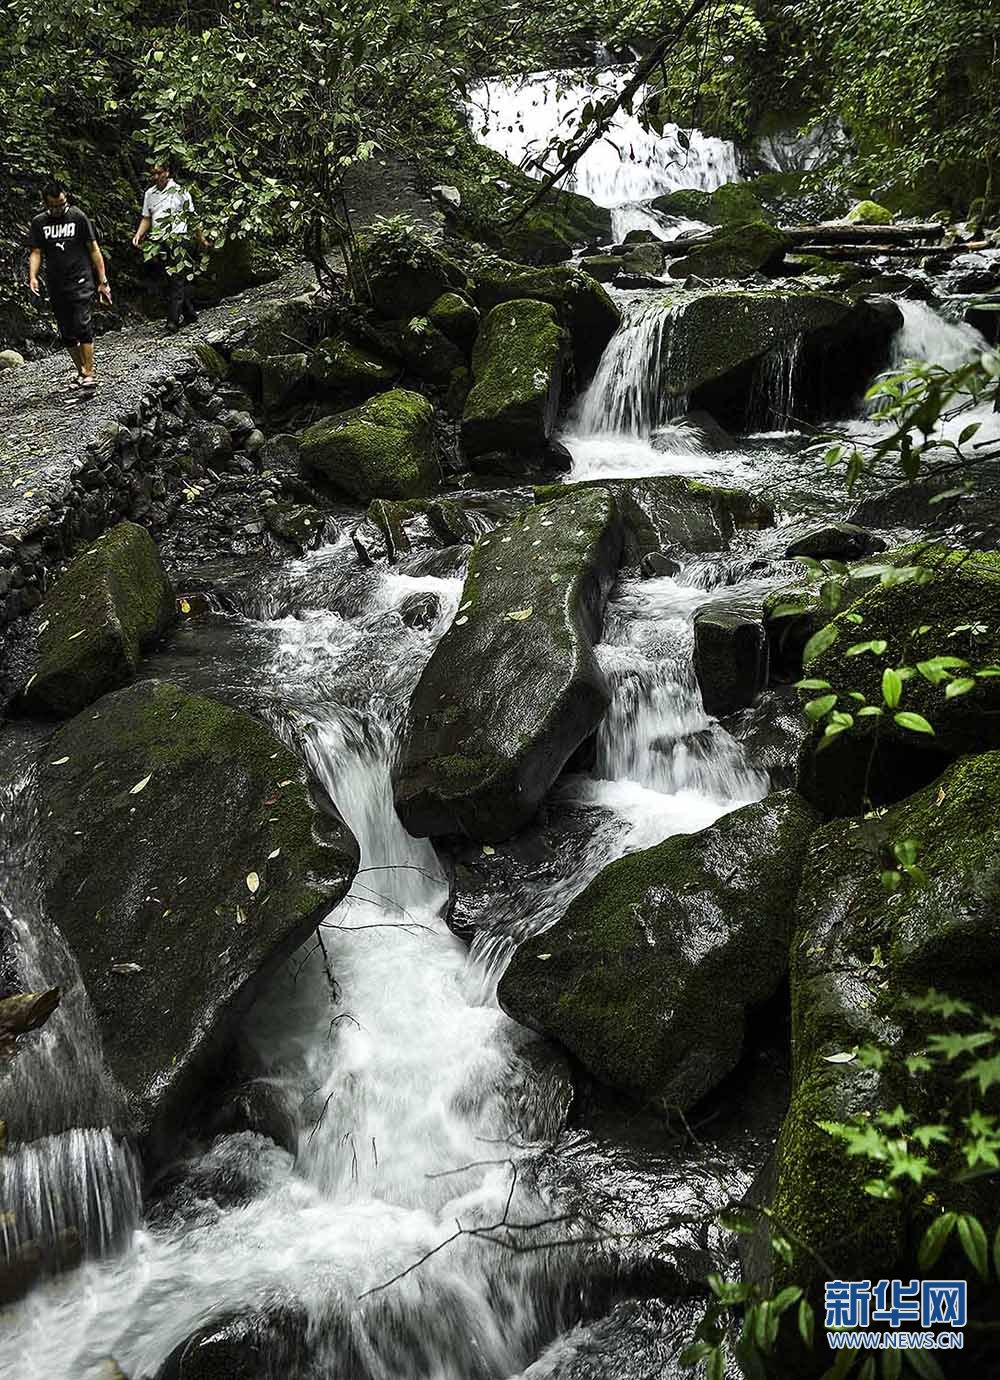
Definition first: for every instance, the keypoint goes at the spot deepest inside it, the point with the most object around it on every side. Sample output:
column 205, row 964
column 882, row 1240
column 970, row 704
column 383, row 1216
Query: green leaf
column 973, row 1239
column 807, row 1318
column 812, row 685
column 968, row 432
column 819, row 642
column 935, row 1239
column 915, row 722
column 815, row 709
column 923, row 1364
column 784, row 1300
column 962, row 686
column 892, row 687
column 878, row 646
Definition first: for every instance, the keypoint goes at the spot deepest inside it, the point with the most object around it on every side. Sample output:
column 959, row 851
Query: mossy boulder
column 517, row 367
column 513, row 688
column 918, row 618
column 719, row 340
column 383, row 449
column 649, row 976
column 457, row 318
column 403, row 274
column 868, row 213
column 113, row 602
column 428, row 352
column 347, row 372
column 734, row 251
column 857, row 952
column 672, row 511
column 732, row 203
column 582, row 304
column 185, row 859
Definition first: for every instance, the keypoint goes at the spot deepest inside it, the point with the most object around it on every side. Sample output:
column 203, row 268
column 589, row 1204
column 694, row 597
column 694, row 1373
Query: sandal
column 84, row 385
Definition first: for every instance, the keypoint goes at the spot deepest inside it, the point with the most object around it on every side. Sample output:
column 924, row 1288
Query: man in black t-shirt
column 63, row 237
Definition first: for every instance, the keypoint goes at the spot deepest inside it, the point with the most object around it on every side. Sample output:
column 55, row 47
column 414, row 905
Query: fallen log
column 863, row 234
column 868, row 251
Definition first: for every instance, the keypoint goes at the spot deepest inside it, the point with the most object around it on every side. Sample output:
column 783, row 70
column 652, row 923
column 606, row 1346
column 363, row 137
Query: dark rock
column 734, row 251
column 113, row 602
column 649, row 976
column 952, row 589
column 243, row 1347
column 513, row 687
column 347, row 372
column 656, row 564
column 730, row 653
column 517, row 366
column 582, row 305
column 383, row 449
column 945, row 934
column 841, row 541
column 214, row 865
column 420, row 610
column 428, row 352
column 285, row 379
column 261, row 1107
column 297, row 525
column 457, row 318
column 280, row 453
column 699, row 430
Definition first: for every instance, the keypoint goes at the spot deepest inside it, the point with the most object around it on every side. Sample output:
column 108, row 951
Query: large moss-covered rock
column 671, row 510
column 112, row 602
column 185, row 860
column 517, row 366
column 457, row 318
column 583, row 305
column 348, row 372
column 718, row 341
column 649, row 975
column 857, row 951
column 513, row 687
column 732, row 203
column 734, row 251
column 383, row 449
column 402, row 273
column 954, row 590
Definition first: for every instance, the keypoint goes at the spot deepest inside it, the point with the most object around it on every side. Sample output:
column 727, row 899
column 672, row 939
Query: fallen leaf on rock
column 459, row 622
column 488, row 850
column 74, row 636
column 125, row 968
column 141, row 785
column 846, row 1056
column 184, row 606
column 518, row 615
column 253, row 883
column 60, row 761
column 273, row 854
column 542, row 957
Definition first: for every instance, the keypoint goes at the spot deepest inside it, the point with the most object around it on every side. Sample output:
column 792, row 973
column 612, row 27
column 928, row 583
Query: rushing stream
column 423, row 1112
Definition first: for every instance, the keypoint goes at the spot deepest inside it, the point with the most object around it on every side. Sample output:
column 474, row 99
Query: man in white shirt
column 166, row 211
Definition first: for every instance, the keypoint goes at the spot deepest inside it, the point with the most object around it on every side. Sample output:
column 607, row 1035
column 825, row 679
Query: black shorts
column 73, row 317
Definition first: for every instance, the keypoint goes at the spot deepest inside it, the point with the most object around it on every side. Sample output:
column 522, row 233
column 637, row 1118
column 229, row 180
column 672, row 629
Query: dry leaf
column 273, row 854
column 141, row 785
column 846, row 1056
column 184, row 606
column 60, row 761
column 73, row 636
column 125, row 968
column 518, row 615
column 253, row 883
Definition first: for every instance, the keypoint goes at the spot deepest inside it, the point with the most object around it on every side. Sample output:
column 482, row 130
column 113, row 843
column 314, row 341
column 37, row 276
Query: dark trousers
column 172, row 272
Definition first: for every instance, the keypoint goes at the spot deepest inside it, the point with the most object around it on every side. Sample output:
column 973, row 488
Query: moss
column 517, row 366
column 113, row 601
column 583, row 305
column 638, row 979
column 734, row 203
column 346, row 371
column 963, row 589
column 735, row 251
column 402, row 273
column 383, row 449
column 869, row 213
column 603, row 267
column 457, row 318
column 504, row 701
column 245, row 372
column 181, row 799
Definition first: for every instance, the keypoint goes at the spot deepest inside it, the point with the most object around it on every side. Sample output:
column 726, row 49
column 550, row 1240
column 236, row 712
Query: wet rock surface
column 214, row 865
column 488, row 737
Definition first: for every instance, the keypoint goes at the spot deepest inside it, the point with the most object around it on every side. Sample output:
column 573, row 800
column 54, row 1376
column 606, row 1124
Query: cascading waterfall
column 928, row 336
column 628, row 395
column 69, row 1179
column 626, row 167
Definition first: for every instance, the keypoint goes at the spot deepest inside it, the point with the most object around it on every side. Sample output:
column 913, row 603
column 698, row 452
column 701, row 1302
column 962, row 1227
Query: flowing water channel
column 423, row 1112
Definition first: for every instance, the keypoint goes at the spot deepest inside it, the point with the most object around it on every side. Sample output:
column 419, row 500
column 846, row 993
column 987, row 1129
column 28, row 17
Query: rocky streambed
column 426, row 839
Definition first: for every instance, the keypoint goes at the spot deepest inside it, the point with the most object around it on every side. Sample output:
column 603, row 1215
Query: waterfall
column 928, row 336
column 629, row 393
column 772, row 396
column 627, row 166
column 69, row 1180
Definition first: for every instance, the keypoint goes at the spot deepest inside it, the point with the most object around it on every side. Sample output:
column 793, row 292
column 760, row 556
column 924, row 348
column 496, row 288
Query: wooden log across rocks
column 866, row 251
column 841, row 232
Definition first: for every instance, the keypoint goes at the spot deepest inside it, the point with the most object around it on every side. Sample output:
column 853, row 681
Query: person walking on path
column 166, row 211
column 62, row 238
